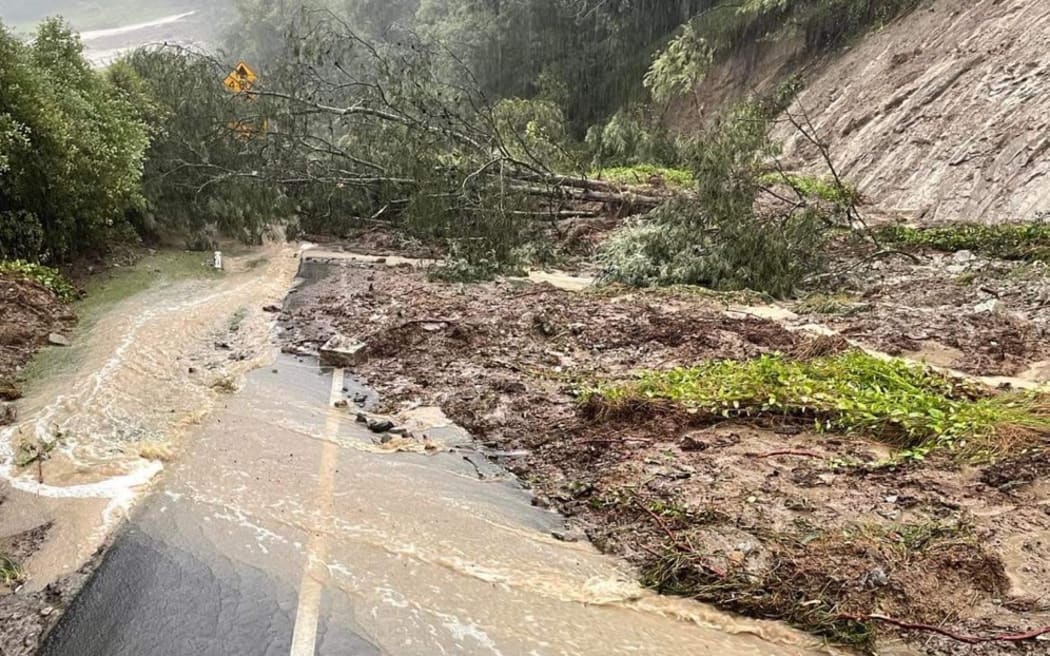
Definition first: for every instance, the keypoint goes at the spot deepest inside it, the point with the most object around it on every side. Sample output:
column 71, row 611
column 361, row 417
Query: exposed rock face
column 943, row 115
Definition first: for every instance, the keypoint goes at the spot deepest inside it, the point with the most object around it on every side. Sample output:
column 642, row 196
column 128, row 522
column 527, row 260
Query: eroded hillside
column 942, row 115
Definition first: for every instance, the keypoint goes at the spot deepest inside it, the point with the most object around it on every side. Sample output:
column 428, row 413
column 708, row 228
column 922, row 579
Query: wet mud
column 812, row 538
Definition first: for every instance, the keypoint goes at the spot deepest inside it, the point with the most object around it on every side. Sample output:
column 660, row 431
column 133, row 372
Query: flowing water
column 279, row 527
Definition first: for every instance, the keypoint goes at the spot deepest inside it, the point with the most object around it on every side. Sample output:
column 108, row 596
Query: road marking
column 304, row 636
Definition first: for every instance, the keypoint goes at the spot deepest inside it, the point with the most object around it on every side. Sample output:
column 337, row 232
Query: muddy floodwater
column 268, row 521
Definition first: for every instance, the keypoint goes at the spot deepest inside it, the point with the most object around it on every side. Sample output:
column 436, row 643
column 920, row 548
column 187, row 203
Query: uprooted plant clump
column 906, row 405
column 761, row 512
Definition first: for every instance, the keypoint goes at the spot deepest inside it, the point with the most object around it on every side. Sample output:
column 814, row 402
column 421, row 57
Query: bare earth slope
column 945, row 114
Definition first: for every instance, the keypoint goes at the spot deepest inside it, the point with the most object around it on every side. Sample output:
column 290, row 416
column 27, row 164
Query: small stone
column 963, row 257
column 360, row 398
column 47, row 610
column 990, row 306
column 752, row 499
column 566, row 535
column 56, row 339
column 341, row 403
column 271, row 308
column 892, row 498
column 192, row 370
column 380, row 425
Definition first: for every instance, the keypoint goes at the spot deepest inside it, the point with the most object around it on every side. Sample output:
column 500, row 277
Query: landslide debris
column 769, row 518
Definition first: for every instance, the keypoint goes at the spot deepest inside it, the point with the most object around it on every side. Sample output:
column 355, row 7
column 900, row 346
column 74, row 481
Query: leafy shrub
column 631, row 137
column 908, row 405
column 50, row 278
column 71, row 149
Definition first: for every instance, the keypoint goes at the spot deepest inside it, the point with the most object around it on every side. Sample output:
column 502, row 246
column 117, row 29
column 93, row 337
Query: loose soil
column 30, row 313
column 771, row 521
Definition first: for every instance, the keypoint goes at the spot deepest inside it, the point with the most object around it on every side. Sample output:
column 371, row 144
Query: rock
column 692, row 443
column 361, row 418
column 567, row 535
column 56, row 339
column 990, row 306
column 963, row 257
column 192, row 370
column 380, row 425
column 8, row 414
column 341, row 403
column 271, row 308
column 223, row 346
column 360, row 398
column 341, row 351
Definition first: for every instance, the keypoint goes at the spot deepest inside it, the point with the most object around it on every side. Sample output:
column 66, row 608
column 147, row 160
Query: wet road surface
column 283, row 529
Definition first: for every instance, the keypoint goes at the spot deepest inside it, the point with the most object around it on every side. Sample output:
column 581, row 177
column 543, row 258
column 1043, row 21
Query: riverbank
column 829, row 531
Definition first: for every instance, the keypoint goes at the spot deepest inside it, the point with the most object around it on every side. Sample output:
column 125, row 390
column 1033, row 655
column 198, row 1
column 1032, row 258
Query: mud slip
column 286, row 529
column 116, row 405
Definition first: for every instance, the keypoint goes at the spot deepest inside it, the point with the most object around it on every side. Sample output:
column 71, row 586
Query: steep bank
column 939, row 116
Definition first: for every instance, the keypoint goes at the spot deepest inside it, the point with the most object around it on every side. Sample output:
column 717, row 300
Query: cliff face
column 943, row 115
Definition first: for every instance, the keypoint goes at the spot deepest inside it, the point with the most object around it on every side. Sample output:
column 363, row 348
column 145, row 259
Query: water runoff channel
column 281, row 528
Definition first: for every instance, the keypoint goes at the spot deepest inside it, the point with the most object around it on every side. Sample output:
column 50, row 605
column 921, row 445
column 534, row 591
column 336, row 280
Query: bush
column 71, row 150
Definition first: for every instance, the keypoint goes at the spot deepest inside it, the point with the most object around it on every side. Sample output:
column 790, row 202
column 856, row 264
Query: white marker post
column 218, row 260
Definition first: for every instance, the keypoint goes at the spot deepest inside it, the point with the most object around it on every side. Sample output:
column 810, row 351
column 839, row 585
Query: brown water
column 128, row 397
column 412, row 551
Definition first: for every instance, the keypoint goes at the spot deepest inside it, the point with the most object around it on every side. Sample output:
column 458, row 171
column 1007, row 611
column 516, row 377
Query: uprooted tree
column 342, row 132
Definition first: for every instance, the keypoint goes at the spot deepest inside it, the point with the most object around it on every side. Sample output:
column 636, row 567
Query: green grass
column 50, row 278
column 641, row 173
column 1014, row 241
column 908, row 405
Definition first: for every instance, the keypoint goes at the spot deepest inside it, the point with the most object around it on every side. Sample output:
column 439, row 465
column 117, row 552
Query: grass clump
column 816, row 187
column 46, row 276
column 1020, row 241
column 11, row 572
column 645, row 174
column 911, row 406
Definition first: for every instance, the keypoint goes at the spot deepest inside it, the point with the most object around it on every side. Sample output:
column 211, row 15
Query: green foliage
column 908, row 405
column 816, row 187
column 680, row 66
column 71, row 149
column 640, row 174
column 631, row 137
column 1010, row 241
column 11, row 572
column 718, row 240
column 201, row 175
column 50, row 278
column 534, row 130
column 725, row 27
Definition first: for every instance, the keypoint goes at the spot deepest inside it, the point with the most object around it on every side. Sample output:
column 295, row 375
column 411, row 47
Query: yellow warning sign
column 241, row 79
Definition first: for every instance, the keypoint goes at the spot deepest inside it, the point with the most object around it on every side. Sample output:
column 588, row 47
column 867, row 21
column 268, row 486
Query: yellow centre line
column 315, row 572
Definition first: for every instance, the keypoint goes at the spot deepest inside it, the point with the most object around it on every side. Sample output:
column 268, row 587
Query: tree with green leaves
column 71, row 150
